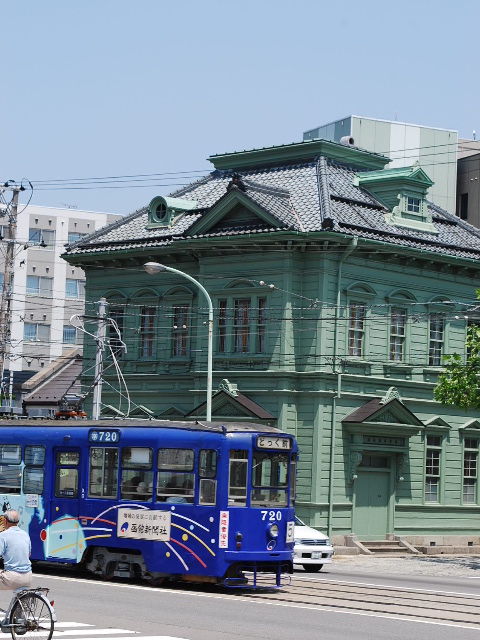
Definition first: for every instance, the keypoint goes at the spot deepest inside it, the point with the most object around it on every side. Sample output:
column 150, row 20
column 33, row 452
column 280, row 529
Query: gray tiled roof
column 299, row 197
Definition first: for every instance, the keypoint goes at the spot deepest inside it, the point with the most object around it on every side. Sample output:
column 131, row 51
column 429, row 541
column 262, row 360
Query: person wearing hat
column 15, row 549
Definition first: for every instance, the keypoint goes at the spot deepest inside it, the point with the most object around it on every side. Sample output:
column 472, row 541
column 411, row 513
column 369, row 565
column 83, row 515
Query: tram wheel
column 109, row 572
column 156, row 581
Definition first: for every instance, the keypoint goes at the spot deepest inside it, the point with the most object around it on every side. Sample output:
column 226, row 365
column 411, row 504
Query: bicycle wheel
column 31, row 618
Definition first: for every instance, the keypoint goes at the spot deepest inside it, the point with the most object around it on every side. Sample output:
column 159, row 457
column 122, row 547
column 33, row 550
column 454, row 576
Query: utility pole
column 5, row 305
column 100, row 343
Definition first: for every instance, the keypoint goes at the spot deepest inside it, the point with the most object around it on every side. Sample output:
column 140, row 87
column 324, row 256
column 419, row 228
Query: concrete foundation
column 349, row 544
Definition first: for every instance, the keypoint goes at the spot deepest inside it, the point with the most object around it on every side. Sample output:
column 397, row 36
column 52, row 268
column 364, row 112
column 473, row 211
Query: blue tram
column 203, row 502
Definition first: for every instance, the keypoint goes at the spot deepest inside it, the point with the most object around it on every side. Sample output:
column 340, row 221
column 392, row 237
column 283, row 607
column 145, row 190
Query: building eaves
column 301, row 196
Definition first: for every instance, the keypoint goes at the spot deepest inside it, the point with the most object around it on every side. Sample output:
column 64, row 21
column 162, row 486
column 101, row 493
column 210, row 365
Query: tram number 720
column 271, row 516
column 103, row 436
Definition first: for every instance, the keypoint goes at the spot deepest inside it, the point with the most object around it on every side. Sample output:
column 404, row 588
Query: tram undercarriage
column 109, row 563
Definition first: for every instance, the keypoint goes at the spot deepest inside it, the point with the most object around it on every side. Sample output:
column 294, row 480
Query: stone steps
column 384, row 547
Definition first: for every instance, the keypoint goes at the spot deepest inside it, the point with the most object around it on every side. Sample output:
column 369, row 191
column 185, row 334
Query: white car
column 312, row 549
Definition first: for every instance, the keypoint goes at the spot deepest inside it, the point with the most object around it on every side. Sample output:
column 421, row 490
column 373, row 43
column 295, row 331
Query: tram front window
column 269, row 479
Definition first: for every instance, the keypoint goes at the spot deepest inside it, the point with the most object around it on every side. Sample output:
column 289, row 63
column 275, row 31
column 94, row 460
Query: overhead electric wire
column 117, row 181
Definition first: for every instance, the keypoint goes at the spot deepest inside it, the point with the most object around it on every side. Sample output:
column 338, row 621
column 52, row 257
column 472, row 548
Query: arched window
column 145, row 304
column 359, row 297
column 242, row 319
column 115, row 330
column 400, row 301
column 177, row 314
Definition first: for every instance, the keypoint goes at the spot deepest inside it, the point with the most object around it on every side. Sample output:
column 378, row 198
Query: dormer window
column 160, row 212
column 403, row 192
column 164, row 211
column 413, row 205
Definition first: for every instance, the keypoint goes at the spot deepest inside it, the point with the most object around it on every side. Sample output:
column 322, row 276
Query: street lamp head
column 154, row 267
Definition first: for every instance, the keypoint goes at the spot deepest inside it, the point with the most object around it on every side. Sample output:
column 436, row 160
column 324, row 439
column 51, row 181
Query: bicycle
column 30, row 614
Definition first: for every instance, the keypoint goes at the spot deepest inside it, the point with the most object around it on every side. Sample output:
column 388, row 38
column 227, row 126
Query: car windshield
column 299, row 523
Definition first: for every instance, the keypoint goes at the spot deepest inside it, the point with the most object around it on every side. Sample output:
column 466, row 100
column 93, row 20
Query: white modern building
column 45, row 291
column 434, row 149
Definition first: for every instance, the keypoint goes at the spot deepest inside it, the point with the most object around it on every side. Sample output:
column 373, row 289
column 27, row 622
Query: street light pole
column 154, row 268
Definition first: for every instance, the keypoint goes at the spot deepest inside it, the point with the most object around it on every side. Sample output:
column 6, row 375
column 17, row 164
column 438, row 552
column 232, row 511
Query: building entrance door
column 372, row 498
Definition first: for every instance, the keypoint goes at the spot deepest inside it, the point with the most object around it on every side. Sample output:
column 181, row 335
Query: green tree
column 460, row 383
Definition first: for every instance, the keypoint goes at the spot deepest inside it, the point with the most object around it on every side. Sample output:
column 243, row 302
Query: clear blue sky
column 98, row 88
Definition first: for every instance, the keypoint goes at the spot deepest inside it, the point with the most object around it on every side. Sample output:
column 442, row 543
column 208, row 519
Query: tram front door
column 64, row 536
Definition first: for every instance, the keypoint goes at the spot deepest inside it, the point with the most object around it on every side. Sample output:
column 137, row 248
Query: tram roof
column 135, row 423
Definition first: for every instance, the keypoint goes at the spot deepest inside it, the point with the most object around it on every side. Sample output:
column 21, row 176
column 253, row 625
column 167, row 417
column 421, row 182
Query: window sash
column 38, row 286
column 75, row 289
column 33, row 285
column 35, row 237
column 207, row 491
column 413, row 205
column 117, row 314
column 66, row 482
column 469, row 490
column 437, row 330
column 174, row 459
column 222, row 326
column 33, row 479
column 397, row 335
column 103, row 473
column 470, row 472
column 73, row 236
column 241, row 325
column 147, row 332
column 432, row 474
column 431, row 490
column 356, row 331
column 69, row 335
column 180, row 331
column 33, row 332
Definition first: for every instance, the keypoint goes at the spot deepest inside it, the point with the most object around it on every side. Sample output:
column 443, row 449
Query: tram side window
column 237, row 480
column 103, row 476
column 207, row 470
column 137, row 474
column 269, row 479
column 34, row 472
column 66, row 474
column 176, row 477
column 10, row 468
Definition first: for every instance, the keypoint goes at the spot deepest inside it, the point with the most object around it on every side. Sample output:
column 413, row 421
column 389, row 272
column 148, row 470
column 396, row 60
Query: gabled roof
column 265, row 206
column 312, row 196
column 383, row 420
column 48, row 386
column 224, row 404
column 414, row 174
column 392, row 412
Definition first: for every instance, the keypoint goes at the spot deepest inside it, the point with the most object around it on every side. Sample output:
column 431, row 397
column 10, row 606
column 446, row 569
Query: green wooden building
column 337, row 288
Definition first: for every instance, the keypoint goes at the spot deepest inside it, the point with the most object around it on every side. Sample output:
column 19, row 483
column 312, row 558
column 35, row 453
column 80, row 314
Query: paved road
column 438, row 565
column 325, row 606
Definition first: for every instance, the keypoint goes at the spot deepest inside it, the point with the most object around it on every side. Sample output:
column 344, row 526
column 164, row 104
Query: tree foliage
column 459, row 385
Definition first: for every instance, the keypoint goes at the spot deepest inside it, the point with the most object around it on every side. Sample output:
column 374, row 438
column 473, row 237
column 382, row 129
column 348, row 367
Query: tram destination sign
column 269, row 442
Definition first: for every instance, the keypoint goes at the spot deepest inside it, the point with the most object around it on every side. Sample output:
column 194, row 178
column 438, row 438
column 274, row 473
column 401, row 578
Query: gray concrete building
column 434, row 149
column 44, row 292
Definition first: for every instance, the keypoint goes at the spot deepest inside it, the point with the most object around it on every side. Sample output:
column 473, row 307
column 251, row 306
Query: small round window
column 161, row 211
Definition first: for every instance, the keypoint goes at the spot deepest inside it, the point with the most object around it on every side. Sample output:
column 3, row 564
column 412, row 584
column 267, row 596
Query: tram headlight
column 273, row 530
